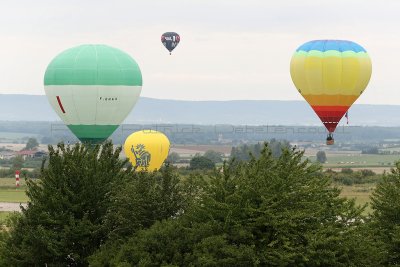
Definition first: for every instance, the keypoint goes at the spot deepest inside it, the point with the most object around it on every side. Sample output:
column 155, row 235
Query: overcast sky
column 229, row 49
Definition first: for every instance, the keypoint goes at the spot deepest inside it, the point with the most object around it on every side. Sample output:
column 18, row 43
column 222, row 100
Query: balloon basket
column 330, row 142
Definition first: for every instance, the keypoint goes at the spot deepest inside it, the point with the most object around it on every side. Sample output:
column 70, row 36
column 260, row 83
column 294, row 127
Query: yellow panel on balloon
column 147, row 149
column 330, row 75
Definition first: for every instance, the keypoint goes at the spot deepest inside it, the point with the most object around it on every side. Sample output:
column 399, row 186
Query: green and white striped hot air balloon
column 93, row 88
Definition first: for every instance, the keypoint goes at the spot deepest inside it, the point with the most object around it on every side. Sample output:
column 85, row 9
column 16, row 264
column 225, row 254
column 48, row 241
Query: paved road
column 8, row 206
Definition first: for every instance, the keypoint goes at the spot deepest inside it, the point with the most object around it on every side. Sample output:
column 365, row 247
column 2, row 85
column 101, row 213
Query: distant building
column 23, row 153
column 26, row 154
column 7, row 154
column 40, row 154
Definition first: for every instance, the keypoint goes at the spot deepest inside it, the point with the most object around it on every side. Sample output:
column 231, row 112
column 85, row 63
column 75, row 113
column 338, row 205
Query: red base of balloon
column 330, row 115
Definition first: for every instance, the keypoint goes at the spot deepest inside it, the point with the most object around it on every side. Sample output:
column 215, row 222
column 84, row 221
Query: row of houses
column 23, row 153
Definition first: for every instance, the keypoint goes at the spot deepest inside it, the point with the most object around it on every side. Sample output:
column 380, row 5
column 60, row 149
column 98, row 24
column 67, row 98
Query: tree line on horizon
column 357, row 137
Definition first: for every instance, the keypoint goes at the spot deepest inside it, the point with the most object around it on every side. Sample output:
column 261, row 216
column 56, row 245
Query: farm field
column 361, row 194
column 361, row 160
column 191, row 150
column 9, row 193
column 377, row 170
column 9, row 183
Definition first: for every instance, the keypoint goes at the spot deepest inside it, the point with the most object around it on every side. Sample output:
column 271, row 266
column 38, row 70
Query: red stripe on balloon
column 330, row 115
column 60, row 104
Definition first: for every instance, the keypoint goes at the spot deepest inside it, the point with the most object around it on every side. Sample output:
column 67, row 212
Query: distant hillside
column 250, row 112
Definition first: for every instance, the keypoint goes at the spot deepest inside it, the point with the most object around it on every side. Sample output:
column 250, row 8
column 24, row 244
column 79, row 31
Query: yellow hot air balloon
column 330, row 75
column 147, row 149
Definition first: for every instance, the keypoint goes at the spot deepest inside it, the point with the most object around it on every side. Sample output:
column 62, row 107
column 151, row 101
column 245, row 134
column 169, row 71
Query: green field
column 361, row 193
column 9, row 183
column 16, row 196
column 359, row 160
column 10, row 193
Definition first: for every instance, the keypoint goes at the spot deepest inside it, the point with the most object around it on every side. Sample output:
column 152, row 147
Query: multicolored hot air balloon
column 147, row 149
column 93, row 88
column 330, row 75
column 170, row 40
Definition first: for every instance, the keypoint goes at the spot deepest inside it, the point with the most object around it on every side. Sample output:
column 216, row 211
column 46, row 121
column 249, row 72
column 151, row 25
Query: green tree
column 277, row 147
column 267, row 212
column 214, row 156
column 385, row 202
column 63, row 222
column 173, row 157
column 138, row 201
column 367, row 173
column 321, row 156
column 347, row 171
column 17, row 162
column 201, row 163
column 31, row 144
column 143, row 198
column 246, row 152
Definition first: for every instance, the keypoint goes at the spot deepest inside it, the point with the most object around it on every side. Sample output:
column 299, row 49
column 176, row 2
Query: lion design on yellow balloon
column 142, row 156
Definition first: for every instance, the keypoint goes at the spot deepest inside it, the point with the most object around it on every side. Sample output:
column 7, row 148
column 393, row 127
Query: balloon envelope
column 170, row 40
column 147, row 149
column 93, row 88
column 330, row 75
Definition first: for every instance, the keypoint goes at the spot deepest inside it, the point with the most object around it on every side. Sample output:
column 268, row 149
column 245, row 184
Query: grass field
column 9, row 183
column 377, row 170
column 361, row 193
column 360, row 160
column 10, row 193
column 17, row 196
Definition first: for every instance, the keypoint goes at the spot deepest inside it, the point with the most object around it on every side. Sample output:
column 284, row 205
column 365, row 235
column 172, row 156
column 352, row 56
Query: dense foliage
column 247, row 151
column 386, row 219
column 349, row 177
column 266, row 212
column 201, row 163
column 63, row 222
column 272, row 210
column 214, row 156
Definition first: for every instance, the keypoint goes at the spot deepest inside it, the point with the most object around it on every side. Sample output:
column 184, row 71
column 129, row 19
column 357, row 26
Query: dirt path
column 8, row 206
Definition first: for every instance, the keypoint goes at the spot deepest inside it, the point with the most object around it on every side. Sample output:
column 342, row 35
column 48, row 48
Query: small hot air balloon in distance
column 93, row 88
column 170, row 40
column 330, row 75
column 147, row 149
